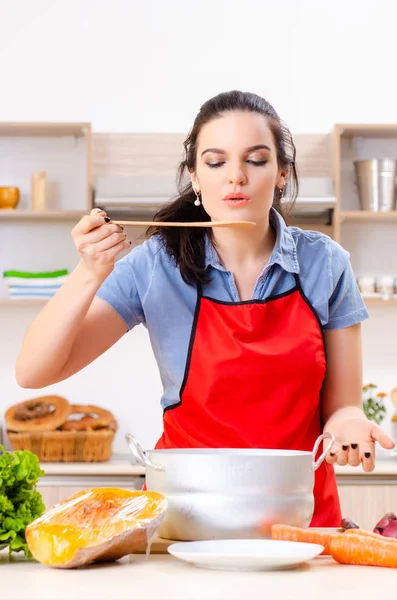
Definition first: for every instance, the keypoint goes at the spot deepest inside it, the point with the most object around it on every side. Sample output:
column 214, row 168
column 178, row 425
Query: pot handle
column 139, row 454
column 324, row 436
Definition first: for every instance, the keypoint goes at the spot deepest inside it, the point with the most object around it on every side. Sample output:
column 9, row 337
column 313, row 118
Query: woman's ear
column 282, row 179
column 195, row 184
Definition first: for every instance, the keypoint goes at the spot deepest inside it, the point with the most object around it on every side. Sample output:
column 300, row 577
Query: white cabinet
column 54, row 489
column 366, row 501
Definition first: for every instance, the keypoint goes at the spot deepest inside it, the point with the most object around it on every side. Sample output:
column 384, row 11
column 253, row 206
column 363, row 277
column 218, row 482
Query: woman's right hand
column 99, row 242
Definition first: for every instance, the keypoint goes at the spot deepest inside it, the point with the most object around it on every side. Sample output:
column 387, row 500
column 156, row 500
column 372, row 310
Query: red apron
column 253, row 379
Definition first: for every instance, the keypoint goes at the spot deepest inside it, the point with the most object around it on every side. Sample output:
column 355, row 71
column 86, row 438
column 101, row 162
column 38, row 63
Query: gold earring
column 197, row 202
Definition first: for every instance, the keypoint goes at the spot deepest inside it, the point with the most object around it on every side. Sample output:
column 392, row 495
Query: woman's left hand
column 355, row 439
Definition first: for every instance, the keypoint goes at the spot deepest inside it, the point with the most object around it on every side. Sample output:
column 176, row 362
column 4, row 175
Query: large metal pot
column 217, row 493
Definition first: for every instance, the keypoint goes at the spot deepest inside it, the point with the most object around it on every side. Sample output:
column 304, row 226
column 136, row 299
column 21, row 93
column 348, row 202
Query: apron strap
column 199, row 291
column 306, row 299
column 297, row 281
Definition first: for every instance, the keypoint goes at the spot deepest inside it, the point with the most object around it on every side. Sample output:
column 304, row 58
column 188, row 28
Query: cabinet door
column 366, row 504
column 53, row 492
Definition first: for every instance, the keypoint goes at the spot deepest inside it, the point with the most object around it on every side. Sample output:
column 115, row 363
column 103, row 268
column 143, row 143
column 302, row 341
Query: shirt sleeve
column 126, row 287
column 346, row 306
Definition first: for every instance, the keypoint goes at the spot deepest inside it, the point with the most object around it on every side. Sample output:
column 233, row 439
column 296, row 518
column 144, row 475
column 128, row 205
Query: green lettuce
column 20, row 502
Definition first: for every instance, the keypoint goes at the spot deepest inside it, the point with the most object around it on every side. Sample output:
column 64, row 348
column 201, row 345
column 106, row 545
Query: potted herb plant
column 373, row 403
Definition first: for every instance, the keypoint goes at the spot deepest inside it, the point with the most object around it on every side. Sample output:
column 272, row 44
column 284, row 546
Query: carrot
column 357, row 547
column 364, row 532
column 296, row 534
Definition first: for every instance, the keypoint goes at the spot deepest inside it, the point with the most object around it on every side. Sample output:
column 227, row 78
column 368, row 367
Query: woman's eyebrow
column 250, row 149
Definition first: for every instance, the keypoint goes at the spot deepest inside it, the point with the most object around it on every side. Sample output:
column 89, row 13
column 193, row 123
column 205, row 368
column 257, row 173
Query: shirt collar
column 284, row 251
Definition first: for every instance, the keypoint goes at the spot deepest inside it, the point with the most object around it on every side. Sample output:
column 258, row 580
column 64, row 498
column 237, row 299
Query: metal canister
column 376, row 184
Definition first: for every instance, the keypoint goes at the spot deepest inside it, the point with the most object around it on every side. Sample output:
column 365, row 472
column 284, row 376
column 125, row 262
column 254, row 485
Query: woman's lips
column 237, row 199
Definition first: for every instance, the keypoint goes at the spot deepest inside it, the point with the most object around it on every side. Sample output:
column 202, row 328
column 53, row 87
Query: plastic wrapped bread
column 100, row 524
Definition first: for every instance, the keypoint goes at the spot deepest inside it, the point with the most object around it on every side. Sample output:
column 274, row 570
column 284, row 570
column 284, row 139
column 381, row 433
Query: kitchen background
column 145, row 68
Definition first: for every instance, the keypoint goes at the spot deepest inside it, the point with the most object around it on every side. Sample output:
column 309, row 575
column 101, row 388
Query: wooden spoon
column 193, row 224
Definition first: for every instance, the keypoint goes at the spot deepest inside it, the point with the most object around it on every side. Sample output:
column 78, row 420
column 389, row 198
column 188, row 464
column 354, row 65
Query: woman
column 256, row 331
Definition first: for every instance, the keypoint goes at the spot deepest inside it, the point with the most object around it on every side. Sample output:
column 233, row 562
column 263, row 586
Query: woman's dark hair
column 187, row 244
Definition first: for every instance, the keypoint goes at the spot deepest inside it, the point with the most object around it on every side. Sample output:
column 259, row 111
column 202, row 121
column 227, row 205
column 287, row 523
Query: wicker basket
column 66, row 446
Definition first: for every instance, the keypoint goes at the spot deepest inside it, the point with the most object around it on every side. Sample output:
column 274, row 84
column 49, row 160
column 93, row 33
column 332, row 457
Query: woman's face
column 236, row 156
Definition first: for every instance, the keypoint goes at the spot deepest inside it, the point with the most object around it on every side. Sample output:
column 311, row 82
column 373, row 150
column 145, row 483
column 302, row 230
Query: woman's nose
column 236, row 175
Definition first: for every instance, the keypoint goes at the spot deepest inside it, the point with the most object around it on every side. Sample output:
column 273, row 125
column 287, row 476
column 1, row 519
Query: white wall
column 134, row 66
column 125, row 379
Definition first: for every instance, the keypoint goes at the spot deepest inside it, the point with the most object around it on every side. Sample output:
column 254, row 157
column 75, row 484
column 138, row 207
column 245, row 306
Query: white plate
column 245, row 555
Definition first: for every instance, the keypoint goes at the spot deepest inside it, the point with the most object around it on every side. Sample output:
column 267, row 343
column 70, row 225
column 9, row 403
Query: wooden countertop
column 163, row 577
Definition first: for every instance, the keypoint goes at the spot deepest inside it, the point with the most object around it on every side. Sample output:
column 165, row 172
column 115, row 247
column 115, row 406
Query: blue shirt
column 146, row 287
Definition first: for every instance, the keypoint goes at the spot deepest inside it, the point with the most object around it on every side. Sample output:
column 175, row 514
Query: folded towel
column 30, row 274
column 20, row 281
column 28, row 296
column 43, row 289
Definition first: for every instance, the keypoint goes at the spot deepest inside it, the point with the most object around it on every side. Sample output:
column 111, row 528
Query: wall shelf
column 23, row 302
column 358, row 142
column 363, row 233
column 380, row 300
column 350, row 130
column 44, row 129
column 62, row 150
column 40, row 215
column 126, row 154
column 365, row 216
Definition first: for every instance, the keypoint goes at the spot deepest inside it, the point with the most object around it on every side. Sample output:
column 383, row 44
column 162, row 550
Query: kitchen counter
column 118, row 465
column 383, row 467
column 124, row 465
column 163, row 577
column 377, row 490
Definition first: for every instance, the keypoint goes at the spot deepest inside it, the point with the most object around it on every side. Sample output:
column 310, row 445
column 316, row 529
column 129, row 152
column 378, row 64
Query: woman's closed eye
column 256, row 163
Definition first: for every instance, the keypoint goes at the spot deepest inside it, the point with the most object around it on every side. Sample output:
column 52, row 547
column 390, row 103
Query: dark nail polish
column 106, row 219
column 354, row 446
column 345, row 448
column 367, row 454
